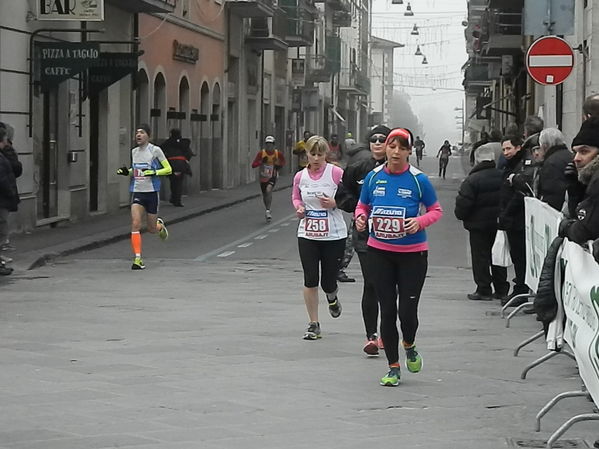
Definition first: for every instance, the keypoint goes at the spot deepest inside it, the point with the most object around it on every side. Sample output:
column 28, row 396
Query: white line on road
column 261, row 237
column 245, row 245
column 217, row 251
column 274, row 230
column 286, row 224
column 226, row 254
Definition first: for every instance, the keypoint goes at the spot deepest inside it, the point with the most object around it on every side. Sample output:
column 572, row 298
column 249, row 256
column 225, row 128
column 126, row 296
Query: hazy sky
column 441, row 39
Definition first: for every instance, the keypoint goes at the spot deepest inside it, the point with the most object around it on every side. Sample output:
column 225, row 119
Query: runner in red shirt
column 270, row 162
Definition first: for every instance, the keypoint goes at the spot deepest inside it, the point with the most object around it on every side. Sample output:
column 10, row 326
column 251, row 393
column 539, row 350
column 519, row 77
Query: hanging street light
column 424, row 60
column 397, row 2
column 415, row 31
column 418, row 52
column 408, row 12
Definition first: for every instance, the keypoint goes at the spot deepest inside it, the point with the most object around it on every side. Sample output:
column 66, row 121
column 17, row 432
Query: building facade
column 75, row 81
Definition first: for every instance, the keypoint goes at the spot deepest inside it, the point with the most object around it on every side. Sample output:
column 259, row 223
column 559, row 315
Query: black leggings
column 398, row 275
column 370, row 303
column 327, row 254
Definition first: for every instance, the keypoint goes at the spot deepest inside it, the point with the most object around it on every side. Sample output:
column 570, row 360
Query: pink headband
column 400, row 132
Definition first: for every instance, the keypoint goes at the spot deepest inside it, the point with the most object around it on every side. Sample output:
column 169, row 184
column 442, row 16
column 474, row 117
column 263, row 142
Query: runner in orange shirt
column 270, row 162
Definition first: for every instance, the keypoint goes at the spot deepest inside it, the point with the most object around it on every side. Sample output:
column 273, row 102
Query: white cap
column 269, row 139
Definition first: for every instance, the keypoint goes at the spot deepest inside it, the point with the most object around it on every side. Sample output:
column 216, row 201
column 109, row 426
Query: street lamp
column 408, row 12
column 424, row 60
column 418, row 52
column 415, row 31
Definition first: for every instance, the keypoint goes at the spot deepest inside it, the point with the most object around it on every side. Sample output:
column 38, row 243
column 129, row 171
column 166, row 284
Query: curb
column 43, row 257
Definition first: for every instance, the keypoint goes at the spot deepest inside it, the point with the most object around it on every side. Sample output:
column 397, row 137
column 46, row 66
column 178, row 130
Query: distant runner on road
column 270, row 162
column 148, row 163
column 419, row 147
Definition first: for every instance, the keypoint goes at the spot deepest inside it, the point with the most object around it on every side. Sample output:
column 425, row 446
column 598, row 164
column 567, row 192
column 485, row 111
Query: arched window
column 159, row 119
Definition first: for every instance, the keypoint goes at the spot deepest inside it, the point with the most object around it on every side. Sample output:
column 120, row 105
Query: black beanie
column 145, row 127
column 379, row 129
column 588, row 134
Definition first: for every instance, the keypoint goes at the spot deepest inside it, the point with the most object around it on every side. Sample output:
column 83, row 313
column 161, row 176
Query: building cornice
column 184, row 23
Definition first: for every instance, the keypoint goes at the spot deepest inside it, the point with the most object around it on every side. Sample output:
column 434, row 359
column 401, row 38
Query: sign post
column 550, row 60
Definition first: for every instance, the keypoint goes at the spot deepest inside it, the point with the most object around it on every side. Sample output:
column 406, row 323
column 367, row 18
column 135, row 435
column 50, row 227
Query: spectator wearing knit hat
column 583, row 225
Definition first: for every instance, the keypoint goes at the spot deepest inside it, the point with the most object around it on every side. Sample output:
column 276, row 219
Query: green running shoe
column 413, row 360
column 138, row 264
column 163, row 233
column 391, row 379
column 335, row 308
column 313, row 331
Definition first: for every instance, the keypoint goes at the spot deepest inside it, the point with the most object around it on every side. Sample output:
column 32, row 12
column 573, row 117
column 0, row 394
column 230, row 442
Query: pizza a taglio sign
column 79, row 10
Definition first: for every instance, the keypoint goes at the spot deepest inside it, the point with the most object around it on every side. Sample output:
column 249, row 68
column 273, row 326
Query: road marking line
column 286, row 224
column 245, row 245
column 261, row 237
column 226, row 254
column 217, row 251
column 274, row 230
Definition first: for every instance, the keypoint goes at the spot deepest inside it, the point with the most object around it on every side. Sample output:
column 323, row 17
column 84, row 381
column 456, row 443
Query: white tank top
column 319, row 223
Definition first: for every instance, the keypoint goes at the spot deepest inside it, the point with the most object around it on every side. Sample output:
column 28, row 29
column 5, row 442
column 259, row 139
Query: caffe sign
column 79, row 10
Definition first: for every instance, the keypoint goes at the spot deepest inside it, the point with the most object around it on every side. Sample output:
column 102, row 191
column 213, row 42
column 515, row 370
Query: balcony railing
column 354, row 81
column 336, row 5
column 252, row 8
column 317, row 69
column 300, row 22
column 342, row 19
column 268, row 33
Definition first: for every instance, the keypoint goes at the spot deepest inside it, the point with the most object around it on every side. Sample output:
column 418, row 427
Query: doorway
column 94, row 155
column 47, row 199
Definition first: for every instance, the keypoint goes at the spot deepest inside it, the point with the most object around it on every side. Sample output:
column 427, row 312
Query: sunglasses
column 375, row 139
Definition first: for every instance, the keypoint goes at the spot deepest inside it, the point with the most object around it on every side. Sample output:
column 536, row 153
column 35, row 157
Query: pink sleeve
column 296, row 196
column 432, row 215
column 362, row 209
column 337, row 174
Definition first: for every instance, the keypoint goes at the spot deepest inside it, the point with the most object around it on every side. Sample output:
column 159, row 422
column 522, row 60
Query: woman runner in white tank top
column 321, row 232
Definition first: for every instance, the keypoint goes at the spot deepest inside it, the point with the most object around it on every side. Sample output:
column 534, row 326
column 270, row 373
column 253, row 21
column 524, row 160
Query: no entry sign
column 550, row 60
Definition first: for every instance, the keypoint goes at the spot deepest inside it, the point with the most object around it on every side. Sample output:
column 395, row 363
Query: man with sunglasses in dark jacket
column 347, row 197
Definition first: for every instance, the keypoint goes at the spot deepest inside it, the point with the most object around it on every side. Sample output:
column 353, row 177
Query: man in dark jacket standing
column 9, row 195
column 553, row 156
column 511, row 210
column 477, row 205
column 347, row 197
column 178, row 152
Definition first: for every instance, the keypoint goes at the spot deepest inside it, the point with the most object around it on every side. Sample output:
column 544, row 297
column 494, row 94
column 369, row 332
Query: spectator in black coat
column 178, row 152
column 553, row 156
column 9, row 195
column 9, row 152
column 584, row 225
column 477, row 205
column 511, row 210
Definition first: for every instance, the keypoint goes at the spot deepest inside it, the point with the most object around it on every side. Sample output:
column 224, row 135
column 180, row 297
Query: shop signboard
column 78, row 10
column 59, row 61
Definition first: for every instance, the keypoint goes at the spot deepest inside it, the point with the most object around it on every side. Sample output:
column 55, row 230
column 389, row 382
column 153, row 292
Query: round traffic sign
column 550, row 60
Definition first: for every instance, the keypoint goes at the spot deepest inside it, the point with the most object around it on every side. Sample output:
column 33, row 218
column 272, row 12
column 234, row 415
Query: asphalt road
column 203, row 349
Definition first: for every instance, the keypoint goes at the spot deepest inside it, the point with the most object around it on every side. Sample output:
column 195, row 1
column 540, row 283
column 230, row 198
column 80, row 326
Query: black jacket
column 477, row 203
column 348, row 194
column 545, row 303
column 9, row 195
column 511, row 207
column 586, row 226
column 178, row 153
column 551, row 184
column 9, row 152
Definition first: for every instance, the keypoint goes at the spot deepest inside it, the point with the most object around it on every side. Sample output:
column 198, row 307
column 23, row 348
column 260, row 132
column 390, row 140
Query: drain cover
column 560, row 444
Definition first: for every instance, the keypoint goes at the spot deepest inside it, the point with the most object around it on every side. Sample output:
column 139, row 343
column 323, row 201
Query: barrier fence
column 577, row 293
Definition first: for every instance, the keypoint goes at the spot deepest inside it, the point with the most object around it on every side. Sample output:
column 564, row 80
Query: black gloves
column 564, row 226
column 124, row 171
column 571, row 173
column 265, row 160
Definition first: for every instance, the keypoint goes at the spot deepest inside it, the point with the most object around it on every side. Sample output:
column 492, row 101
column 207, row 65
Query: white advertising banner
column 542, row 223
column 79, row 10
column 580, row 298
